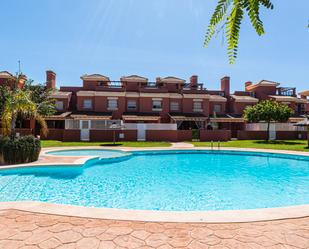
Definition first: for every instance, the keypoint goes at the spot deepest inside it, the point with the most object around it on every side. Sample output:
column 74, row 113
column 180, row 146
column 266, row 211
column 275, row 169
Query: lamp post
column 115, row 127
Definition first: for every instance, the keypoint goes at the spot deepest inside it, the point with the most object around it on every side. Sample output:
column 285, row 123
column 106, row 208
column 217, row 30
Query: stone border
column 224, row 216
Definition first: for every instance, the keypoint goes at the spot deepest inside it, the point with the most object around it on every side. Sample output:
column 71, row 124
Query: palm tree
column 19, row 104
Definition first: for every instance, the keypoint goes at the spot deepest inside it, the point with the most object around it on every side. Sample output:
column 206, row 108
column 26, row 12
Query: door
column 141, row 132
column 84, row 130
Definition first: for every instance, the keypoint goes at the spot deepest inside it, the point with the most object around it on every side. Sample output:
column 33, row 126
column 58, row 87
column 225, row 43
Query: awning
column 305, row 122
column 60, row 116
column 227, row 120
column 90, row 117
column 190, row 118
column 140, row 118
column 281, row 98
column 296, row 119
column 244, row 99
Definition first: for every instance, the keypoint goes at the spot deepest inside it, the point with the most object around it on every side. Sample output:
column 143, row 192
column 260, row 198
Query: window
column 131, row 104
column 112, row 104
column 174, row 106
column 59, row 105
column 87, row 104
column 71, row 124
column 217, row 108
column 157, row 105
column 197, row 106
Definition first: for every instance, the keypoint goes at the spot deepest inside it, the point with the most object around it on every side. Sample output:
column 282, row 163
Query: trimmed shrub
column 195, row 134
column 24, row 149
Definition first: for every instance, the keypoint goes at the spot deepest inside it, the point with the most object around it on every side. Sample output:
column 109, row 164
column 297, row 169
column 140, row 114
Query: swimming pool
column 168, row 180
column 88, row 152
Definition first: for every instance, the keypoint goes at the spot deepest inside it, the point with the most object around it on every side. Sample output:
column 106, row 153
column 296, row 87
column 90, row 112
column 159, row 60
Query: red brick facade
column 217, row 114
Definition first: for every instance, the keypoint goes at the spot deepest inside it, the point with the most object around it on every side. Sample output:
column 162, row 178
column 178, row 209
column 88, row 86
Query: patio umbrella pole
column 308, row 135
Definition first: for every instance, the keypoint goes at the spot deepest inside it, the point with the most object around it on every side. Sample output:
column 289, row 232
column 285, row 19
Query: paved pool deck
column 29, row 230
column 32, row 225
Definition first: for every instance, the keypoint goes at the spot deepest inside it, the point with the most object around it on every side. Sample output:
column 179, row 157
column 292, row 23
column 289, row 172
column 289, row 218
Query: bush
column 19, row 150
column 195, row 134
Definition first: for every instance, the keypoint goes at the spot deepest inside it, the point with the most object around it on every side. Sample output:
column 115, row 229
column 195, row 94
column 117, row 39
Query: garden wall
column 53, row 134
column 71, row 135
column 252, row 135
column 184, row 135
column 108, row 135
column 215, row 135
column 280, row 135
column 167, row 135
column 24, row 131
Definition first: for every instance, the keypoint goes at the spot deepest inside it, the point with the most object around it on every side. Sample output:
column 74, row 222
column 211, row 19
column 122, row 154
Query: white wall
column 149, row 126
column 273, row 126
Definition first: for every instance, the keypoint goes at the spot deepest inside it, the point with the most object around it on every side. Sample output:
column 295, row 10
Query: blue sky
column 149, row 38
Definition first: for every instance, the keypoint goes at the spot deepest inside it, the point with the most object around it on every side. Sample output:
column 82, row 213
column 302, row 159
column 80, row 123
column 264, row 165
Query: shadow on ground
column 112, row 145
column 279, row 142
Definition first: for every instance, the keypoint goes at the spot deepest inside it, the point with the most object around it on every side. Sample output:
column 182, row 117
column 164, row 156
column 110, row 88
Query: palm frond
column 232, row 31
column 231, row 14
column 217, row 17
column 42, row 123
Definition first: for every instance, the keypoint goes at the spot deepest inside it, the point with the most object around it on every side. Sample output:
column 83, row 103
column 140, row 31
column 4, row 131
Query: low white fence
column 150, row 126
column 106, row 124
column 273, row 126
column 71, row 124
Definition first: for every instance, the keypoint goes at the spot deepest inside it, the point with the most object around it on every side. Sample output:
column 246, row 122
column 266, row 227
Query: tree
column 19, row 105
column 4, row 93
column 40, row 95
column 268, row 111
column 230, row 14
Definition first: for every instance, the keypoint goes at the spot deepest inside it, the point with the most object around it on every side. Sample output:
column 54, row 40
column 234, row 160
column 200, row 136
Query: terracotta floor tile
column 68, row 236
column 129, row 241
column 88, row 243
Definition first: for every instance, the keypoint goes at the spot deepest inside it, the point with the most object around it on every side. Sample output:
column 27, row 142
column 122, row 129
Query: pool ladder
column 212, row 145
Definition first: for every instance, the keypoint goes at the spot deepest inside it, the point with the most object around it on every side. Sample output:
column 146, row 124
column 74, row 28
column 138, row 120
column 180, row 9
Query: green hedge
column 19, row 150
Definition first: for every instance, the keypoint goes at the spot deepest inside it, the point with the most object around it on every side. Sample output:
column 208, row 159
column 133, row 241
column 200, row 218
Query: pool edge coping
column 220, row 216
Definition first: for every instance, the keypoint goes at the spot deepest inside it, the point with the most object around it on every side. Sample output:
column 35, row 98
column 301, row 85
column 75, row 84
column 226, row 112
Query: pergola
column 305, row 123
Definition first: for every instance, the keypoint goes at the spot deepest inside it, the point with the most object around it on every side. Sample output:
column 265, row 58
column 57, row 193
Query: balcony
column 153, row 87
column 286, row 91
column 199, row 88
column 111, row 86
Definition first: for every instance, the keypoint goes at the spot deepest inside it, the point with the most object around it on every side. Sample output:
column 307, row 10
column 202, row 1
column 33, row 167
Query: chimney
column 50, row 79
column 158, row 79
column 194, row 80
column 248, row 83
column 225, row 86
column 21, row 81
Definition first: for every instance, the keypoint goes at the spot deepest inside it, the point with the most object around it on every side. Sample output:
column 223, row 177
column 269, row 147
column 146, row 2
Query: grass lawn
column 54, row 143
column 299, row 145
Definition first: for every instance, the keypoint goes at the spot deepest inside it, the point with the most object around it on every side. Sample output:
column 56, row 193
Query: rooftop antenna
column 19, row 67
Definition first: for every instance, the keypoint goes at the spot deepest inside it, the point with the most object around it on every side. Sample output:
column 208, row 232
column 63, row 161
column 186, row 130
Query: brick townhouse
column 169, row 108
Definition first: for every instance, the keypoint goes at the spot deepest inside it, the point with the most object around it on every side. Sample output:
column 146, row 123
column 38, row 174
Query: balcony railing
column 188, row 86
column 286, row 91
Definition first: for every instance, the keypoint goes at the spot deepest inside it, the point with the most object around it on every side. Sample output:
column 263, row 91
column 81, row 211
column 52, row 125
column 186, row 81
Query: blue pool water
column 168, row 181
column 87, row 152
